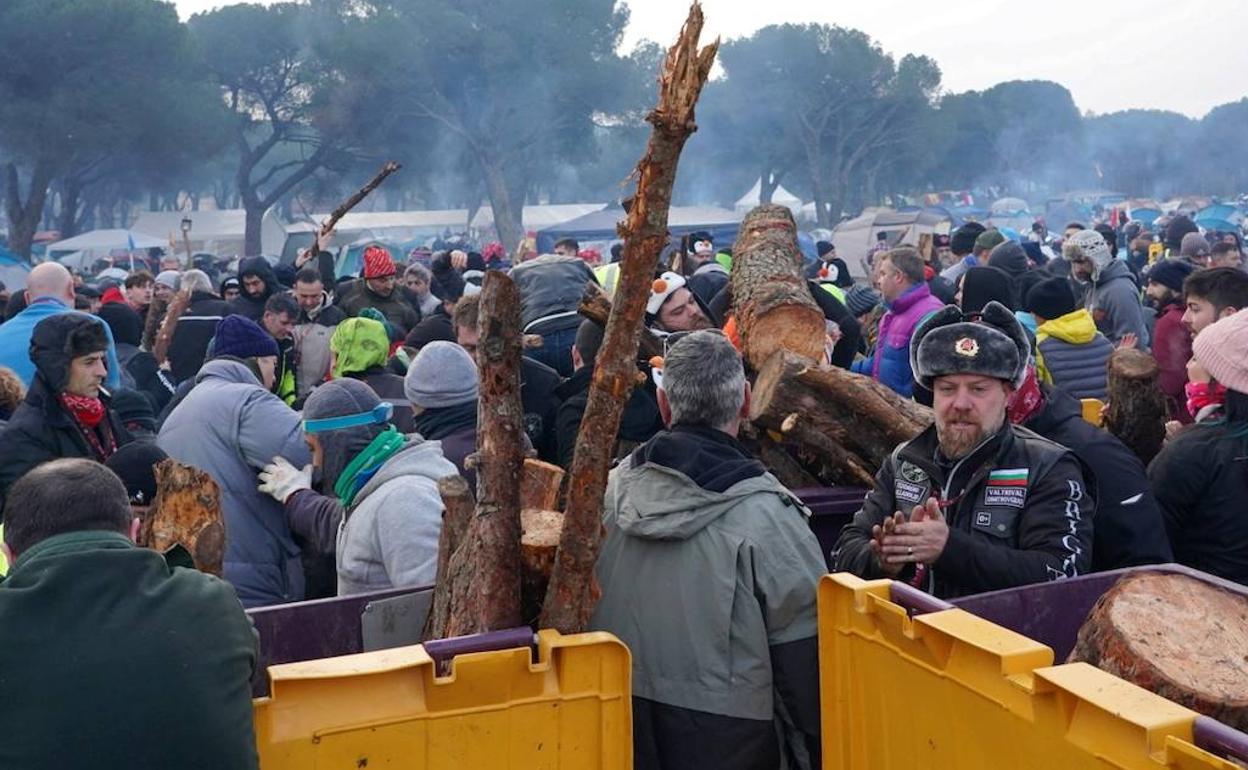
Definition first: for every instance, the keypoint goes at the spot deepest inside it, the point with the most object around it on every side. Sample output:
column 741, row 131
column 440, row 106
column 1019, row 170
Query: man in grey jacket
column 229, row 425
column 1111, row 295
column 377, row 505
column 708, row 574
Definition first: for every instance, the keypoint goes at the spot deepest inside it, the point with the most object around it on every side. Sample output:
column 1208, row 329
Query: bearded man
column 973, row 503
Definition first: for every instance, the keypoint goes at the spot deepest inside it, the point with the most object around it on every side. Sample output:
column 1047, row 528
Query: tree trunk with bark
column 573, row 590
column 770, row 298
column 1137, row 410
column 457, row 512
column 186, row 513
column 1179, row 637
column 506, row 217
column 849, row 421
column 24, row 217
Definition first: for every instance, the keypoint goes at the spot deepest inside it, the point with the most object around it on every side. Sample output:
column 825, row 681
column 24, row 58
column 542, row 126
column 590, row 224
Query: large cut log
column 539, row 544
column 848, row 420
column 573, row 589
column 770, row 298
column 1137, row 410
column 186, row 513
column 1182, row 638
column 541, row 485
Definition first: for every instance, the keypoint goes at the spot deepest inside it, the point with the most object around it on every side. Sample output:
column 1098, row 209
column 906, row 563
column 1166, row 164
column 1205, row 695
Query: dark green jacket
column 109, row 658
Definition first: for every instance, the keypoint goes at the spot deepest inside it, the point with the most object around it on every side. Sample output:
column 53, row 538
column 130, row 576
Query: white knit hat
column 664, row 286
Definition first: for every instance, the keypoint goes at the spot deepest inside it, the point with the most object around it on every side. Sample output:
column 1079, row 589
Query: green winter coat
column 110, row 658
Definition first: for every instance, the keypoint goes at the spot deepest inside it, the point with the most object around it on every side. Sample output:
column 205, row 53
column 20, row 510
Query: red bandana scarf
column 1025, row 401
column 88, row 413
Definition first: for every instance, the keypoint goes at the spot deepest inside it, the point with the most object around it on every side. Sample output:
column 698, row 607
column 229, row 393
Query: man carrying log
column 708, row 574
column 991, row 505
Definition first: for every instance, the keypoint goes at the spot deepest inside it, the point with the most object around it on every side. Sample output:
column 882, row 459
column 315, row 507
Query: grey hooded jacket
column 229, row 426
column 700, row 585
column 1114, row 302
column 389, row 537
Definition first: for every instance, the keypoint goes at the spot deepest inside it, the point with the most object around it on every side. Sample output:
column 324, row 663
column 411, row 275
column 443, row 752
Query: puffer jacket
column 229, row 426
column 550, row 286
column 1020, row 511
column 889, row 363
column 389, row 536
column 691, row 517
column 1073, row 355
column 1114, row 301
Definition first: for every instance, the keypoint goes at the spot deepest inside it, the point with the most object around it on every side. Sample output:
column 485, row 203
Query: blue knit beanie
column 242, row 337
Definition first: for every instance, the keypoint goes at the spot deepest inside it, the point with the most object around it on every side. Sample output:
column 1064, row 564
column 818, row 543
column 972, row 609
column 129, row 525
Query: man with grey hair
column 417, row 283
column 196, row 326
column 708, row 574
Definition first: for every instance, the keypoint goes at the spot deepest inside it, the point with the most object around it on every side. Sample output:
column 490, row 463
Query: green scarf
column 367, row 463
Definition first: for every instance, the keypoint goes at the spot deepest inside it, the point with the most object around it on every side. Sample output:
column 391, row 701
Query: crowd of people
column 328, row 408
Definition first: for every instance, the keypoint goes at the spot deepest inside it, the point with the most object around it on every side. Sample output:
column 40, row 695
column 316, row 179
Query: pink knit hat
column 1223, row 350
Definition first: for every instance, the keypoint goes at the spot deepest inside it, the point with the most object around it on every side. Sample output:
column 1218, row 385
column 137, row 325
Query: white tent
column 98, row 243
column 217, row 231
column 397, row 225
column 779, row 196
column 537, row 217
column 855, row 237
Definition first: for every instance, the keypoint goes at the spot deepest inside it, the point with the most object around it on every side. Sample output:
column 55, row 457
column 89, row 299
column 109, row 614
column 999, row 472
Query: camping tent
column 219, row 231
column 1220, row 217
column 13, row 270
column 376, row 225
column 82, row 250
column 598, row 229
column 779, row 196
column 538, row 217
column 855, row 237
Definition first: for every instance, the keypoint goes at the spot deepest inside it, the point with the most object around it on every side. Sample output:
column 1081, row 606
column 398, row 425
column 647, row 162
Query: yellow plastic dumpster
column 948, row 689
column 570, row 709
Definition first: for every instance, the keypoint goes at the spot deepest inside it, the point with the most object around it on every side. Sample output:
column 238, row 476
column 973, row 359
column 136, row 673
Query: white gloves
column 281, row 479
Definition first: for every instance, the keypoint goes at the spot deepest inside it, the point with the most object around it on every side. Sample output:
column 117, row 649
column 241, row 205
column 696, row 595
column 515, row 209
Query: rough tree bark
column 770, row 299
column 457, row 504
column 24, row 217
column 573, row 590
column 1137, row 410
column 1197, row 657
column 187, row 513
column 848, row 420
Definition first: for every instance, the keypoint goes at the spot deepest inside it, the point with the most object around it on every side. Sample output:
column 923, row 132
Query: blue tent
column 13, row 270
column 1220, row 217
column 600, row 226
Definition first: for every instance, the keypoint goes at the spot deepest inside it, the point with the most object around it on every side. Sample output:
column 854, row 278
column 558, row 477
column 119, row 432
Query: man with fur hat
column 376, row 504
column 230, row 425
column 377, row 289
column 973, row 503
column 1172, row 343
column 1111, row 295
column 673, row 307
column 66, row 411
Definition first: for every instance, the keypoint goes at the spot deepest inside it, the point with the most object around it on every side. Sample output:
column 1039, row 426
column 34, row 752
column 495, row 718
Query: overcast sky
column 1185, row 56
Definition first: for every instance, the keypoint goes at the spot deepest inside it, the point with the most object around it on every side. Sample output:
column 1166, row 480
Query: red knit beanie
column 377, row 262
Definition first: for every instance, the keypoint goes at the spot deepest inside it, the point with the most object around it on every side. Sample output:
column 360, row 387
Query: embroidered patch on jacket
column 1008, row 477
column 983, row 520
column 908, row 492
column 912, row 472
column 1015, row 497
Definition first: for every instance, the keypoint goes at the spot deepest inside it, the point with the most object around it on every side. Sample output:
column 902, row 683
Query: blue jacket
column 229, row 426
column 15, row 337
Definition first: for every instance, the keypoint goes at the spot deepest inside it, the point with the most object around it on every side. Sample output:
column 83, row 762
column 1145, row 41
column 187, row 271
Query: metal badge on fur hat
column 664, row 286
column 994, row 345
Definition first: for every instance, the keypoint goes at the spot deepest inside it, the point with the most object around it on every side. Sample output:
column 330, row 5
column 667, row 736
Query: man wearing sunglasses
column 973, row 503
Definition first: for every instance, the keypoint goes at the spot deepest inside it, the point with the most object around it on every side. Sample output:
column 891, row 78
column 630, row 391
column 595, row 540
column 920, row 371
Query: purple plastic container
column 831, row 509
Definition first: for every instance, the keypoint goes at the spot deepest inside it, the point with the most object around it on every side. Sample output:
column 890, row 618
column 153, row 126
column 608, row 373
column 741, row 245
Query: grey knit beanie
column 442, row 374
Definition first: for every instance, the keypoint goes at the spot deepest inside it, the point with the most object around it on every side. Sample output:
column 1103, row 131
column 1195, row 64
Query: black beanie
column 1051, row 298
column 981, row 285
column 135, row 464
column 125, row 324
column 1179, row 227
column 962, row 242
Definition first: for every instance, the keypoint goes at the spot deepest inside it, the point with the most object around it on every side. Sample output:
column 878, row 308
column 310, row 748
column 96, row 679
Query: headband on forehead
column 375, row 416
